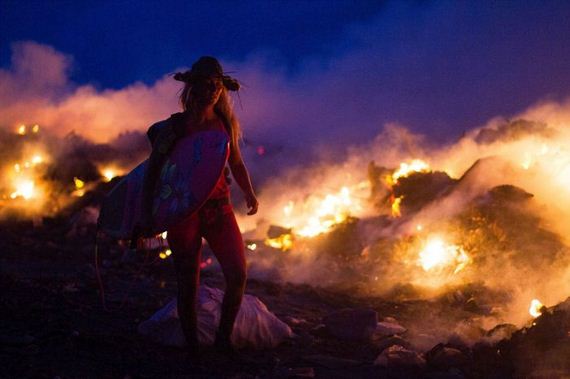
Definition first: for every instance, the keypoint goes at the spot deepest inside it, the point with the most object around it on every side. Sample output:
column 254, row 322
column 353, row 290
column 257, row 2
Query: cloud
column 37, row 89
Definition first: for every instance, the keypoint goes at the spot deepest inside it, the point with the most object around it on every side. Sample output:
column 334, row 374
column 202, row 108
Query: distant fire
column 283, row 242
column 165, row 254
column 23, row 129
column 23, row 177
column 405, row 169
column 535, row 308
column 108, row 173
column 396, row 212
column 25, row 188
column 79, row 187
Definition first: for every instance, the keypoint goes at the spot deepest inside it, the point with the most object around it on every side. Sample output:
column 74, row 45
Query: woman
column 206, row 106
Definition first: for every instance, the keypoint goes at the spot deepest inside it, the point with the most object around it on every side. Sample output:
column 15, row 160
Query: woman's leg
column 185, row 241
column 224, row 238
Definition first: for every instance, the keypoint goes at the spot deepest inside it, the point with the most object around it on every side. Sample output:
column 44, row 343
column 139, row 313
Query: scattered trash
column 443, row 357
column 255, row 325
column 399, row 356
column 384, row 328
column 352, row 324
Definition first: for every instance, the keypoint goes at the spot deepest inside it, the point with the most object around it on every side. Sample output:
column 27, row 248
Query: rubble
column 385, row 328
column 52, row 304
column 442, row 357
column 399, row 356
column 352, row 324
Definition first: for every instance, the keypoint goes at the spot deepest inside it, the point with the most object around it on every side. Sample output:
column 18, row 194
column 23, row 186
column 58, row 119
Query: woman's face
column 207, row 90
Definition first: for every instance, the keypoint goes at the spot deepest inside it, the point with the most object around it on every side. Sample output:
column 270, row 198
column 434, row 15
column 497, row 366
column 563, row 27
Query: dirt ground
column 53, row 324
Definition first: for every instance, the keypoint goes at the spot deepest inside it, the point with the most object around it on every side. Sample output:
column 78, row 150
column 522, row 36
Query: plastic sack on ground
column 255, row 325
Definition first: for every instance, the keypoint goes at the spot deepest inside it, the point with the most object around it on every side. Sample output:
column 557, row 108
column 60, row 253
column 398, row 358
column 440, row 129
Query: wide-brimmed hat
column 207, row 67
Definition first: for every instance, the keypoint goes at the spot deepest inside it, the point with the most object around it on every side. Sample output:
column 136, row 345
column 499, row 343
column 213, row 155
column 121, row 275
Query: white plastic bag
column 255, row 325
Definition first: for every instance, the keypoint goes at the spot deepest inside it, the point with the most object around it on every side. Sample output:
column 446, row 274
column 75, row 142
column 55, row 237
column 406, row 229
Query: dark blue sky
column 115, row 43
column 438, row 67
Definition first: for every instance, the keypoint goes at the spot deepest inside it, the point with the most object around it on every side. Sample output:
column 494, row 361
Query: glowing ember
column 78, row 183
column 405, row 169
column 108, row 174
column 396, row 212
column 288, row 208
column 284, row 242
column 165, row 254
column 24, row 188
column 527, row 161
column 37, row 159
column 535, row 307
column 252, row 246
column 437, row 254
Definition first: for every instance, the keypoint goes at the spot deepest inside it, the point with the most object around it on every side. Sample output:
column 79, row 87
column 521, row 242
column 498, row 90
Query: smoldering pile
column 43, row 175
column 475, row 250
column 423, row 232
column 444, row 252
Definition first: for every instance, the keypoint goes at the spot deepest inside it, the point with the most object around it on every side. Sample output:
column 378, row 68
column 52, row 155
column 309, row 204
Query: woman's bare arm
column 241, row 175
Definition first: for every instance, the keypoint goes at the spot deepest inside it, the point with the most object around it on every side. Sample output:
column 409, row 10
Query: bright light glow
column 535, row 307
column 108, row 174
column 437, row 254
column 35, row 128
column 396, row 212
column 24, row 188
column 405, row 169
column 287, row 209
column 333, row 209
column 284, row 242
column 164, row 235
column 78, row 183
column 252, row 246
column 22, row 130
column 37, row 159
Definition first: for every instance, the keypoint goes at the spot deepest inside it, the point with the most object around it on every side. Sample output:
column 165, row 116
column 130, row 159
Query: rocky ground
column 53, row 323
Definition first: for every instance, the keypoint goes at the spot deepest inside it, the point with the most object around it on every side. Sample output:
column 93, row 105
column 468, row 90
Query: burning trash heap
column 479, row 236
column 44, row 175
column 462, row 242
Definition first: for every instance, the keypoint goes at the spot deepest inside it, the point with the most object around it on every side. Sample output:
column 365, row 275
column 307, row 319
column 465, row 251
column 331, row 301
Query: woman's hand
column 252, row 203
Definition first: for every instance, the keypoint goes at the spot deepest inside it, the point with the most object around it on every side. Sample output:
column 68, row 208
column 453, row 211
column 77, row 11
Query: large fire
column 318, row 214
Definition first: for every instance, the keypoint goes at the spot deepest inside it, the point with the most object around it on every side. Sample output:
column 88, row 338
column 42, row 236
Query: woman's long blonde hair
column 223, row 108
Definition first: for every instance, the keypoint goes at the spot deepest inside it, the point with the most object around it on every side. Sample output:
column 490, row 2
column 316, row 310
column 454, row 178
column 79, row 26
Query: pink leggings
column 216, row 222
